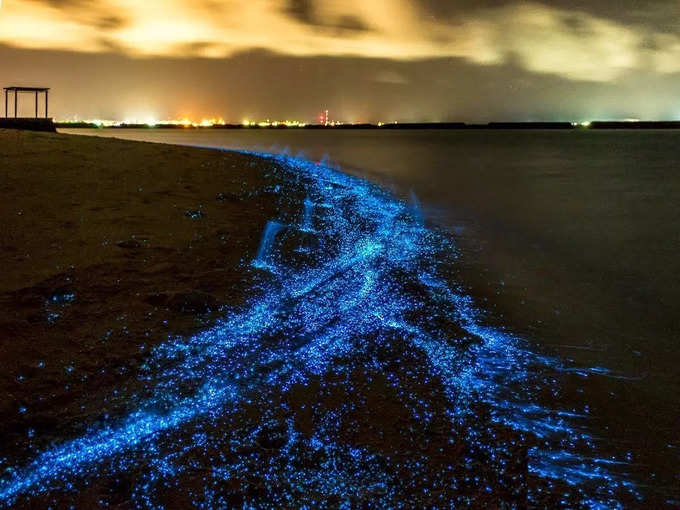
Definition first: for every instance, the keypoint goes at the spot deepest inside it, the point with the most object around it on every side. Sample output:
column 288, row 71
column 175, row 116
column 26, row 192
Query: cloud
column 391, row 78
column 575, row 45
column 65, row 4
column 110, row 22
column 309, row 12
column 580, row 44
column 301, row 10
column 657, row 15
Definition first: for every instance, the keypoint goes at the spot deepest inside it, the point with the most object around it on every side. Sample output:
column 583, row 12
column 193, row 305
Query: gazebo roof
column 27, row 89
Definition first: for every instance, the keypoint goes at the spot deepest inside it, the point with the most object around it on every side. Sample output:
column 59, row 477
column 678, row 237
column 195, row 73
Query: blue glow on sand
column 264, row 253
column 368, row 307
column 308, row 217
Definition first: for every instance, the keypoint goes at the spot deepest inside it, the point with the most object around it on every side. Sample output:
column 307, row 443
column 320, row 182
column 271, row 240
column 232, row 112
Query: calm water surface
column 571, row 239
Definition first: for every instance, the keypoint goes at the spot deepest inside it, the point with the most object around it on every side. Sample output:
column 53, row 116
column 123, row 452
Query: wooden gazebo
column 31, row 90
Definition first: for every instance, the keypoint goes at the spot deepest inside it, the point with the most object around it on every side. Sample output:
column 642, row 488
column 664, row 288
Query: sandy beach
column 154, row 353
column 299, row 254
column 108, row 248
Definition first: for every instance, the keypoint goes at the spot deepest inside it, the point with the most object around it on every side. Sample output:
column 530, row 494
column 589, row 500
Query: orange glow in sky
column 532, row 33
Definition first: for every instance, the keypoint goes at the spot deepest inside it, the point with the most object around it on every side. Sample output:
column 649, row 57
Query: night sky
column 364, row 60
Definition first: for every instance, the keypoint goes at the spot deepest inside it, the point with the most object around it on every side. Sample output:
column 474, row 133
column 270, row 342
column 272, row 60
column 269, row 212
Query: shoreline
column 456, row 126
column 166, row 263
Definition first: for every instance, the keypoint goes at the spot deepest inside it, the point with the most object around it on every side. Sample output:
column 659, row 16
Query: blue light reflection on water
column 349, row 301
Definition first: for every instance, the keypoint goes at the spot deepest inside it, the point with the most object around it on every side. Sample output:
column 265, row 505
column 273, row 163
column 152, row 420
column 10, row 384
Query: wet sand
column 355, row 377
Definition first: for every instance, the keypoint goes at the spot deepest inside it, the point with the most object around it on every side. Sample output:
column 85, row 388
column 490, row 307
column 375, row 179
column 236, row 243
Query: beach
column 97, row 238
column 339, row 255
column 158, row 351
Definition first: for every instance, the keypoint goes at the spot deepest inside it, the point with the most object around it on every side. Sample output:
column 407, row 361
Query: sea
column 567, row 239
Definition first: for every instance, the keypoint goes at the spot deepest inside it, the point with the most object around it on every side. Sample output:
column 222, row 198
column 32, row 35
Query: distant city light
column 184, row 122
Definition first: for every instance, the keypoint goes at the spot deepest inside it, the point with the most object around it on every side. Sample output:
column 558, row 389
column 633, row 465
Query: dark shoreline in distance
column 50, row 126
column 409, row 125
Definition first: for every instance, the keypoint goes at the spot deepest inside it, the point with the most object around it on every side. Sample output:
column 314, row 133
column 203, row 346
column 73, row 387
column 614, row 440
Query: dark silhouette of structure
column 27, row 123
column 32, row 90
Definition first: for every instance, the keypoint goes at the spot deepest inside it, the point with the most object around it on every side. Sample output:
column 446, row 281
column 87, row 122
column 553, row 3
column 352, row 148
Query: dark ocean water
column 569, row 239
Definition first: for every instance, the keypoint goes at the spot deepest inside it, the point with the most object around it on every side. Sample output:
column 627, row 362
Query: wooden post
column 47, row 92
column 15, row 103
column 36, row 104
column 6, row 112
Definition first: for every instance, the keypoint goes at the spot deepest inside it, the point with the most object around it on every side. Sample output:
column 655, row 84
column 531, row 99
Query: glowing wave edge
column 352, row 294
